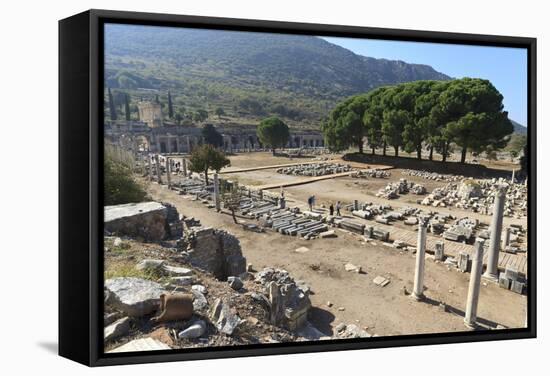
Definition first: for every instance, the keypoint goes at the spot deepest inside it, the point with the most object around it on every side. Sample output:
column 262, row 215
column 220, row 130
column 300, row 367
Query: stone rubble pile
column 462, row 230
column 394, row 189
column 371, row 173
column 315, row 169
column 478, row 197
column 433, row 175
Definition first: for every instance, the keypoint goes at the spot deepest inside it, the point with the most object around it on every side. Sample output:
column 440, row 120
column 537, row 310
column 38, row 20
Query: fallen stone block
column 349, row 267
column 117, row 329
column 134, row 296
column 328, row 234
column 196, row 330
column 223, row 317
column 381, row 281
column 145, row 219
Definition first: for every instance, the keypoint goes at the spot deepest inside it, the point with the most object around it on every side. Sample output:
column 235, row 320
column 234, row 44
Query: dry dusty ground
column 385, row 311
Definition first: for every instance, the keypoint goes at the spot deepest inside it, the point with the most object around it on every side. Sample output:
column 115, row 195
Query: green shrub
column 119, row 184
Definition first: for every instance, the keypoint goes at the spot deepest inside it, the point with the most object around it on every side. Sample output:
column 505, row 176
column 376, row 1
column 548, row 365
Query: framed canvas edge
column 96, row 20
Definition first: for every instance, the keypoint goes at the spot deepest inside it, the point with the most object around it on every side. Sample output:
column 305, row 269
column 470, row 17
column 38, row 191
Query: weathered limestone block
column 134, row 296
column 224, row 317
column 117, row 329
column 144, row 219
column 288, row 300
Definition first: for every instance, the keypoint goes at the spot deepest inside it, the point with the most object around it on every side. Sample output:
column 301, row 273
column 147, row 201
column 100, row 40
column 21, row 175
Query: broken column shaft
column 150, row 167
column 496, row 231
column 157, row 163
column 217, row 192
column 418, row 289
column 474, row 286
column 184, row 166
column 168, row 177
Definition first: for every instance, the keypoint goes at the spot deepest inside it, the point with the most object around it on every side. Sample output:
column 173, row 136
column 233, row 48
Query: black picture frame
column 80, row 185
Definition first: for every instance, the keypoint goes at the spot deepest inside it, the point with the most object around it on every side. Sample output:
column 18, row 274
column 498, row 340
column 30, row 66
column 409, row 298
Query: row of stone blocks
column 291, row 224
column 368, row 231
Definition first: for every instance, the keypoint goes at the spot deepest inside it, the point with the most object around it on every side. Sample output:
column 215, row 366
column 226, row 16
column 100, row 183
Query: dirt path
column 385, row 311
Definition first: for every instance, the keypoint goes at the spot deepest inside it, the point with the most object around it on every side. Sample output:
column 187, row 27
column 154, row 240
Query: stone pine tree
column 206, row 157
column 112, row 108
column 170, row 106
column 477, row 121
column 273, row 133
column 127, row 106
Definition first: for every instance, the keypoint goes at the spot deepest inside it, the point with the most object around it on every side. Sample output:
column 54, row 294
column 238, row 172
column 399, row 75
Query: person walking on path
column 331, row 209
column 338, row 206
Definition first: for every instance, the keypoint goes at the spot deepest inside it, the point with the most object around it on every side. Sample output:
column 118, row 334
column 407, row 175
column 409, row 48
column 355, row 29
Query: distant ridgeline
column 241, row 77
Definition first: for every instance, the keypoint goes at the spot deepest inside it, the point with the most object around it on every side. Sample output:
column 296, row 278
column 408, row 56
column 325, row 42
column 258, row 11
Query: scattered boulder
column 235, row 283
column 134, row 296
column 195, row 330
column 352, row 268
column 117, row 329
column 199, row 302
column 109, row 318
column 224, row 317
column 381, row 281
column 200, row 288
column 151, row 265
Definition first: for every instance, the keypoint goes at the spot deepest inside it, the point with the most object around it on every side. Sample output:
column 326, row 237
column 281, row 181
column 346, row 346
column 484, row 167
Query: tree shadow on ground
column 457, row 168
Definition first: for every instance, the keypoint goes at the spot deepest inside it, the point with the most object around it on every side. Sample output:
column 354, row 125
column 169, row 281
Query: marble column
column 168, row 170
column 418, row 289
column 150, row 167
column 157, row 163
column 496, row 232
column 217, row 192
column 184, row 166
column 474, row 286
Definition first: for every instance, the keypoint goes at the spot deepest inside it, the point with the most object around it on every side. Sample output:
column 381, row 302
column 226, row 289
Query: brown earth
column 354, row 297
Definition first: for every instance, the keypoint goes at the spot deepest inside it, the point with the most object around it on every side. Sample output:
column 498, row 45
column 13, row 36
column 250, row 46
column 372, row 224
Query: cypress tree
column 170, row 108
column 112, row 109
column 127, row 106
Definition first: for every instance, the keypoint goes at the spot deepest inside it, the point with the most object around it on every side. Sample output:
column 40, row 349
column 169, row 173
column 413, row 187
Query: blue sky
column 506, row 68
